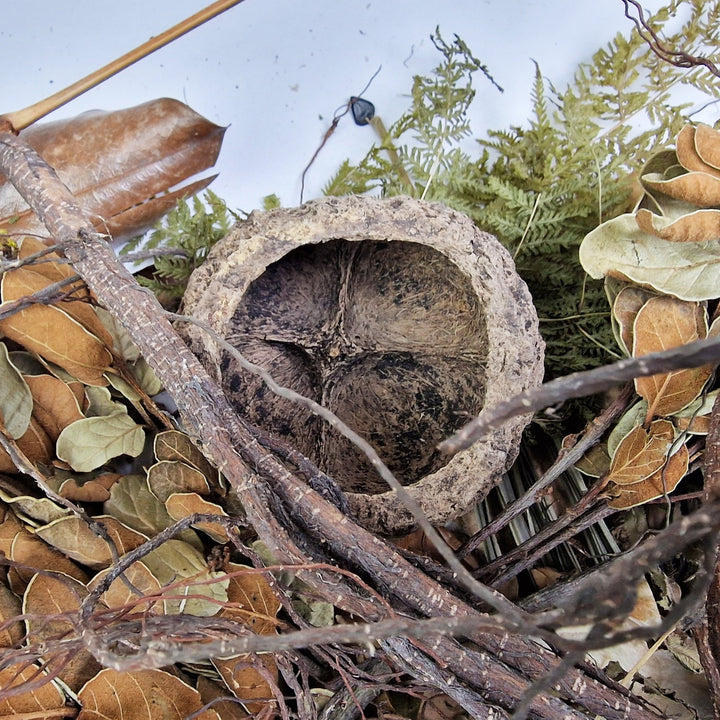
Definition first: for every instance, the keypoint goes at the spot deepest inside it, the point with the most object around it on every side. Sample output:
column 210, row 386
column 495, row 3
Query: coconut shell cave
column 399, row 316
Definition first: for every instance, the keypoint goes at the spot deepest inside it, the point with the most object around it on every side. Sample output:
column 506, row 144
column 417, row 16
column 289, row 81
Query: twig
column 679, row 58
column 22, row 118
column 567, row 458
column 580, row 384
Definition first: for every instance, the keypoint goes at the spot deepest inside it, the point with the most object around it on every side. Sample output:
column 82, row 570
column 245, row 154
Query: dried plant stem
column 21, row 119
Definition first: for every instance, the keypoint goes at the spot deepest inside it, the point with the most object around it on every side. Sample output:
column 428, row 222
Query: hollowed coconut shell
column 400, row 316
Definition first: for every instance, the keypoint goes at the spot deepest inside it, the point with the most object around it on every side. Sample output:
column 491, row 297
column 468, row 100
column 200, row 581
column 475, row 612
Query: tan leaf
column 694, row 227
column 662, row 481
column 36, row 445
column 180, row 505
column 707, row 144
column 10, row 607
column 139, row 695
column 60, row 339
column 75, row 539
column 687, row 150
column 698, row 188
column 54, row 404
column 665, row 322
column 176, row 445
column 48, row 602
column 31, row 704
column 170, row 476
column 119, row 165
column 29, row 279
column 95, row 490
column 625, row 308
column 641, row 452
column 119, row 595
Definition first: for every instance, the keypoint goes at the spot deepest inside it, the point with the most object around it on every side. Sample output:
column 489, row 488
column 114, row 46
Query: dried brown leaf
column 625, row 308
column 665, row 322
column 54, row 404
column 694, row 227
column 31, row 704
column 662, row 481
column 60, row 339
column 35, row 443
column 49, row 603
column 119, row 165
column 687, row 150
column 707, row 144
column 141, row 695
column 176, row 445
column 252, row 602
column 211, row 691
column 180, row 505
column 698, row 188
column 170, row 476
column 74, row 538
column 10, row 607
column 641, row 453
column 95, row 490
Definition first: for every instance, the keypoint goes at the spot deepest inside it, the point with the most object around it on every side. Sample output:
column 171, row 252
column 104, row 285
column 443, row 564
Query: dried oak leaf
column 121, row 165
column 665, row 322
column 35, row 444
column 625, row 307
column 141, row 695
column 12, row 632
column 176, row 445
column 119, row 595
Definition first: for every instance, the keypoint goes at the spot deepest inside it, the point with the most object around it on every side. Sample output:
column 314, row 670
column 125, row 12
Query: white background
column 274, row 71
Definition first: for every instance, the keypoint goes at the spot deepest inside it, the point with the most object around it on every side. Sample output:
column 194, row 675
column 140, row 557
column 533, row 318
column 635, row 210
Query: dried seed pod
column 400, row 316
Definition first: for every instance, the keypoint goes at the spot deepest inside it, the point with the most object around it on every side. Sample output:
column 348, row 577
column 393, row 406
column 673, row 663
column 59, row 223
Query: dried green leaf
column 87, row 444
column 39, row 510
column 177, row 563
column 101, row 403
column 76, row 539
column 146, row 377
column 689, row 271
column 132, row 502
column 16, row 401
column 122, row 342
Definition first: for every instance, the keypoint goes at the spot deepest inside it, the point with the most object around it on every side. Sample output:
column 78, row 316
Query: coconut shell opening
column 399, row 316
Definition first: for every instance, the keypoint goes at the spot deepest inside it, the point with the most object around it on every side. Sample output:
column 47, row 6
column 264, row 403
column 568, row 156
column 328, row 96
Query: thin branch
column 580, row 384
column 22, row 118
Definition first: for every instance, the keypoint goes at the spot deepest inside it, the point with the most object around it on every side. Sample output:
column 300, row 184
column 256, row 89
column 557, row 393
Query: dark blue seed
column 363, row 110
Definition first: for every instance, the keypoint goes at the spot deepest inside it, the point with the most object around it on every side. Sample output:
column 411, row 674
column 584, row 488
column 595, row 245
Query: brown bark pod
column 400, row 316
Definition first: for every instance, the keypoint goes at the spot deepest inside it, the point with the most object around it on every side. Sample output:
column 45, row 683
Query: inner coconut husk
column 399, row 316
